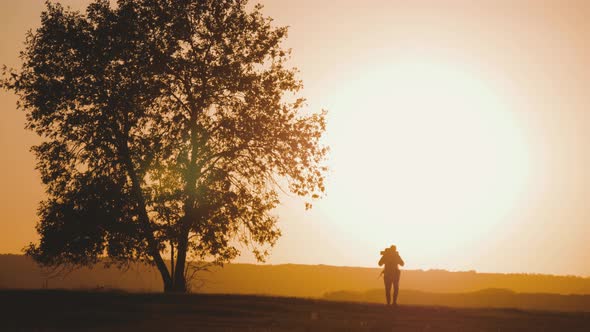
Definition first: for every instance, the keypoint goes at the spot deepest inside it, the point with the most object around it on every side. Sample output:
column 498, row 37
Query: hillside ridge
column 19, row 271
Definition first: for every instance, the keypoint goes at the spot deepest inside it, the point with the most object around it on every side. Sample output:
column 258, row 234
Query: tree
column 168, row 127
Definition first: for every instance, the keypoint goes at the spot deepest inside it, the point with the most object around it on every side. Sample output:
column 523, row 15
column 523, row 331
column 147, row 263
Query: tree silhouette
column 168, row 126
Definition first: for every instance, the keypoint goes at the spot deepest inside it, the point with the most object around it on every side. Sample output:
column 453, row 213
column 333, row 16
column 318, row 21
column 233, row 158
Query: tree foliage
column 168, row 126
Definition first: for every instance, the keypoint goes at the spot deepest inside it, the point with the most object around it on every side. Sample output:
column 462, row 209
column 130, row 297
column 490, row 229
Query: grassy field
column 108, row 311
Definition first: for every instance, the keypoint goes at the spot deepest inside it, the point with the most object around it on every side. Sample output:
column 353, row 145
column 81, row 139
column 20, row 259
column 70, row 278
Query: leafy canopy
column 166, row 124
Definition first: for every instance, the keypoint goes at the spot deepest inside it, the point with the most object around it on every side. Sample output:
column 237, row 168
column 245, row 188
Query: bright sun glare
column 428, row 153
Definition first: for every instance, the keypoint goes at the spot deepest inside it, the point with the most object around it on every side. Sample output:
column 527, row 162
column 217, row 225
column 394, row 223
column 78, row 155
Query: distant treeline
column 488, row 298
column 285, row 280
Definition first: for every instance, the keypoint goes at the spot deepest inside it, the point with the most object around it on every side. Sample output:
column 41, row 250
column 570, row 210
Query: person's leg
column 388, row 280
column 396, row 286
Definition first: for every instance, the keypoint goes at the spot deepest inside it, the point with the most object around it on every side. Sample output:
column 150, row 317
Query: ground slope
column 283, row 280
column 87, row 311
column 486, row 298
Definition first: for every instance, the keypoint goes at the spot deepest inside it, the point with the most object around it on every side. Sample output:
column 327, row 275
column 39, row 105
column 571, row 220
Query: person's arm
column 381, row 261
column 401, row 261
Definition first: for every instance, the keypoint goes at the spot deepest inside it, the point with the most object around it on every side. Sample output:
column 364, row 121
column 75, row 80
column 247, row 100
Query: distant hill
column 18, row 271
column 317, row 280
column 21, row 272
column 487, row 298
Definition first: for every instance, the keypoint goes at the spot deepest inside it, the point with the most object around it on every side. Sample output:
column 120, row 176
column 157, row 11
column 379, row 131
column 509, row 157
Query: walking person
column 391, row 273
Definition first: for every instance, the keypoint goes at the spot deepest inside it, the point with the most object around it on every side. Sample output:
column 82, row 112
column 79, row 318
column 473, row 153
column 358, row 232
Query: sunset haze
column 458, row 131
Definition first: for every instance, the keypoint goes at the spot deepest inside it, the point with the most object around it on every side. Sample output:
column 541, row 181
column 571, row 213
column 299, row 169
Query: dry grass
column 116, row 311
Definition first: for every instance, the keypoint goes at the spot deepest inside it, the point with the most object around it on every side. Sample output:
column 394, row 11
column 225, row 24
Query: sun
column 428, row 152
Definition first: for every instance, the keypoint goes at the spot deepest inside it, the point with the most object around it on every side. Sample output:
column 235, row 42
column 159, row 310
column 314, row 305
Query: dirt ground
column 111, row 311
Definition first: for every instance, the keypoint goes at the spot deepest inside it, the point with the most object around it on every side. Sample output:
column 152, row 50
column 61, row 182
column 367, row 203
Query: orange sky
column 459, row 131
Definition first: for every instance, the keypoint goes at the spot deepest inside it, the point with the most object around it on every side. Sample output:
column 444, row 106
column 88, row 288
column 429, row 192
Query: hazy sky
column 459, row 131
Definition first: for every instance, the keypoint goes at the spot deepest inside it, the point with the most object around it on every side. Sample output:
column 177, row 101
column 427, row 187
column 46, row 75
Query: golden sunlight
column 360, row 165
column 424, row 148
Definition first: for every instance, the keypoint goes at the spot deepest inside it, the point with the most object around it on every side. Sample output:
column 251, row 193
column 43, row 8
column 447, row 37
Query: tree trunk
column 143, row 215
column 168, row 287
column 179, row 277
column 171, row 258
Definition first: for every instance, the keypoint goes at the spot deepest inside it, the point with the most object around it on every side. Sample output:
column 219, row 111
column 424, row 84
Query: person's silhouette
column 391, row 273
